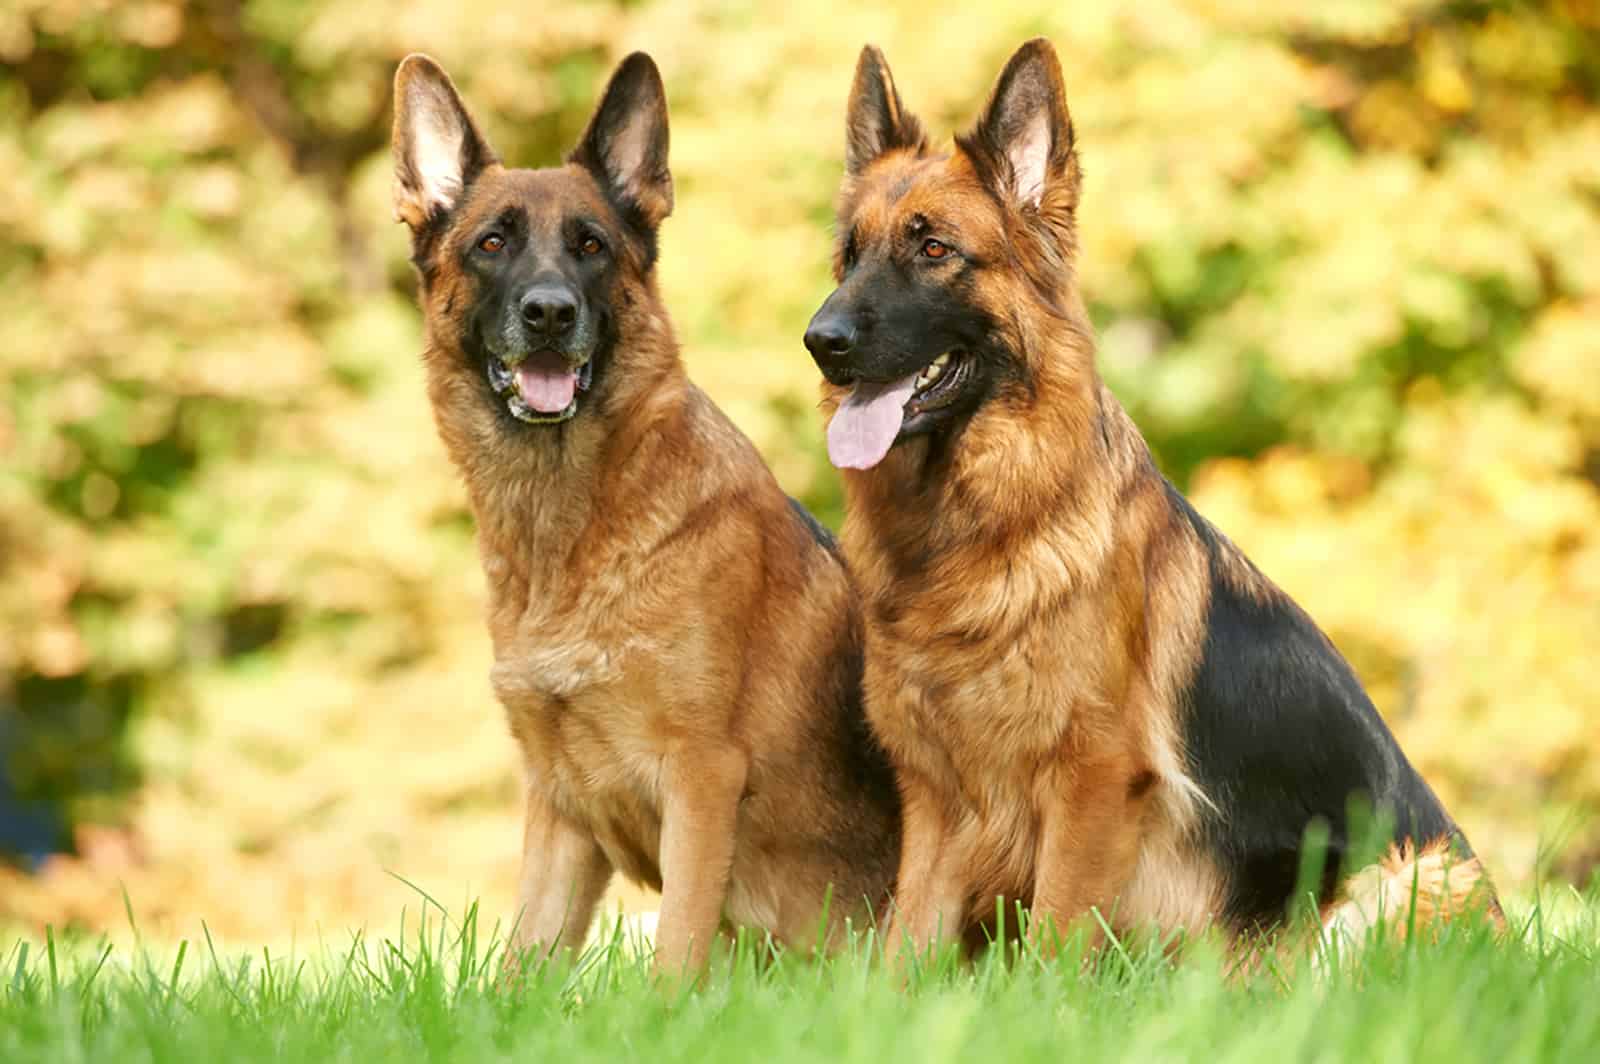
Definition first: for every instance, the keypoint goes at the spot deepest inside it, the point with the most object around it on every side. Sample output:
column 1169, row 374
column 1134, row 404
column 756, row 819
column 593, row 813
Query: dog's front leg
column 930, row 890
column 701, row 790
column 564, row 872
column 1088, row 846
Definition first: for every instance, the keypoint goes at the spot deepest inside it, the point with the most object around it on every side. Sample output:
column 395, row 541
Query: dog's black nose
column 549, row 310
column 830, row 338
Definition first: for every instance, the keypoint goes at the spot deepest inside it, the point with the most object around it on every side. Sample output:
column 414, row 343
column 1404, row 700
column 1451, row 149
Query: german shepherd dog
column 1092, row 699
column 677, row 644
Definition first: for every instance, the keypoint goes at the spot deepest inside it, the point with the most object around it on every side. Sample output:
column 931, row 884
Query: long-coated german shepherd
column 1090, row 696
column 677, row 644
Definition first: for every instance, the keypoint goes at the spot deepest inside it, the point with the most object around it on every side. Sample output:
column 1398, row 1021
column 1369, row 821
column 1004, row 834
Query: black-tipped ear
column 1023, row 144
column 876, row 120
column 438, row 150
column 625, row 146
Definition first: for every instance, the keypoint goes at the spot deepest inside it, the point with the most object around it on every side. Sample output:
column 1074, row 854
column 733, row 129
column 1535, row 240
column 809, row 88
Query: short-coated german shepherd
column 676, row 642
column 1092, row 699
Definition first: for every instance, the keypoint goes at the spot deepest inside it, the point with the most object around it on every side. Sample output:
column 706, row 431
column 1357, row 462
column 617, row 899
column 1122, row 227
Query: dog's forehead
column 547, row 198
column 944, row 190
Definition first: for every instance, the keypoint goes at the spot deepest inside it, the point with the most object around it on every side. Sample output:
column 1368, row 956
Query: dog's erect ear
column 438, row 150
column 625, row 146
column 876, row 120
column 1023, row 144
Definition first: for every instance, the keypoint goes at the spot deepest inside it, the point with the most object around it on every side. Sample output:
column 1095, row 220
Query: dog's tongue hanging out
column 546, row 382
column 867, row 422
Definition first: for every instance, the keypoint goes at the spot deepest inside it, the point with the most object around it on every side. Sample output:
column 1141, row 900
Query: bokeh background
column 1344, row 258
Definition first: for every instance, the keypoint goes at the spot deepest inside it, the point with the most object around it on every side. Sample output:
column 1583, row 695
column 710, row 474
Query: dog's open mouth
column 939, row 383
column 871, row 417
column 541, row 388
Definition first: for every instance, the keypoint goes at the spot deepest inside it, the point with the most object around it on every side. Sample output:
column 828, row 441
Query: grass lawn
column 435, row 993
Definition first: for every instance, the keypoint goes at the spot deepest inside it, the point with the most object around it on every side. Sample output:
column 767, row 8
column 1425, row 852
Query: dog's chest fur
column 582, row 683
column 1004, row 674
column 999, row 719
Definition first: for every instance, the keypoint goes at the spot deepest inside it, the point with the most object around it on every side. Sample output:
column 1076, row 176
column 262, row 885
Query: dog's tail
column 1412, row 892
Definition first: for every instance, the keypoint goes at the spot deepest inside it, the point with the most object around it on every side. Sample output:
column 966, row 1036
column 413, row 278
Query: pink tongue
column 866, row 423
column 547, row 383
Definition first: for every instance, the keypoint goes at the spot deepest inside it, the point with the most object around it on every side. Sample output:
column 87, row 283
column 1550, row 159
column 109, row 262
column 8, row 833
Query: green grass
column 436, row 994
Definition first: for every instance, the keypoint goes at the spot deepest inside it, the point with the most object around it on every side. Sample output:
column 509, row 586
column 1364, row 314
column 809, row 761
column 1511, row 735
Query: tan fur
column 1410, row 892
column 662, row 627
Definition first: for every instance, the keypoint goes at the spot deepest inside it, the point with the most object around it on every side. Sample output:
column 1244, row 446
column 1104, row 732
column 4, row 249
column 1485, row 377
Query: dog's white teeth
column 940, row 362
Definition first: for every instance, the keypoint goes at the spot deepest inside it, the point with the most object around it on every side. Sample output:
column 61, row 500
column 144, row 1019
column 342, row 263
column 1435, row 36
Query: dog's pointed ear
column 438, row 149
column 625, row 146
column 1023, row 144
column 876, row 120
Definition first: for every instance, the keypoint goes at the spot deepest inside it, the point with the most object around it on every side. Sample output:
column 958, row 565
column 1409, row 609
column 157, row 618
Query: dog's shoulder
column 724, row 444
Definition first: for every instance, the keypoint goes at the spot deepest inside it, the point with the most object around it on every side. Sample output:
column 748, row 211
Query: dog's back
column 1280, row 734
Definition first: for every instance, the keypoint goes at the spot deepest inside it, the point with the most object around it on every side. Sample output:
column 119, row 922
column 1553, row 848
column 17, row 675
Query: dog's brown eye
column 492, row 243
column 935, row 249
column 591, row 246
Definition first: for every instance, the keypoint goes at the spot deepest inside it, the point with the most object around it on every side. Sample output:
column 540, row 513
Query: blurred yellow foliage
column 1343, row 257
